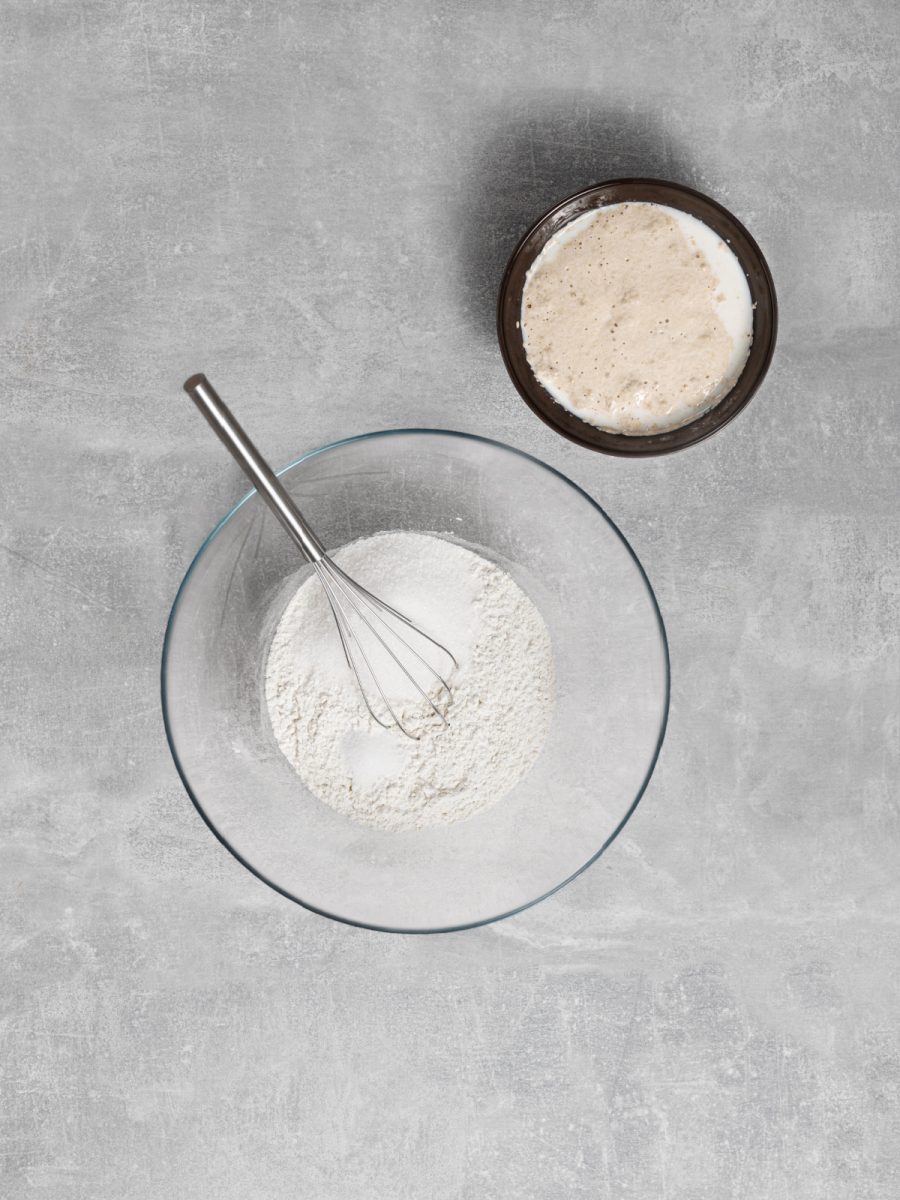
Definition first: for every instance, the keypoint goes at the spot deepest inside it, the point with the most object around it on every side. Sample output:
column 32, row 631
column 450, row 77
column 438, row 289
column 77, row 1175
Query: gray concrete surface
column 314, row 202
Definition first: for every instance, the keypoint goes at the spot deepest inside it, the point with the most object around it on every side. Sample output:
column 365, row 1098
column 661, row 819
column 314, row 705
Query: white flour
column 503, row 689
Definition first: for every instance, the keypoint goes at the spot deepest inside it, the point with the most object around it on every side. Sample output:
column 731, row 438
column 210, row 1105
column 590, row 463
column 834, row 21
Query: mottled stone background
column 314, row 202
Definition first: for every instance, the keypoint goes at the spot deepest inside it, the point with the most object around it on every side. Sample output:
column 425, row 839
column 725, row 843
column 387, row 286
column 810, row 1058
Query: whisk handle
column 253, row 465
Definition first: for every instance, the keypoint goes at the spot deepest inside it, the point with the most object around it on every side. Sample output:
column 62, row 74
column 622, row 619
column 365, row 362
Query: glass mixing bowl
column 612, row 672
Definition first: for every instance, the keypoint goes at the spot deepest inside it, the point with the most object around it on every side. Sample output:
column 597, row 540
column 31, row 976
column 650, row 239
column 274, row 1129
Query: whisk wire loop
column 366, row 607
column 348, row 641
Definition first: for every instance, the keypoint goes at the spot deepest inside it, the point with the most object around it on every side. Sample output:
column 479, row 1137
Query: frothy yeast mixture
column 637, row 317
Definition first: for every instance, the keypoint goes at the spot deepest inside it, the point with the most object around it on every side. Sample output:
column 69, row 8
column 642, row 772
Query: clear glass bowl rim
column 365, row 437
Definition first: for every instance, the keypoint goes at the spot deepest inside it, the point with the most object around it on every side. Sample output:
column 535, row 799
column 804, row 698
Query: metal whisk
column 367, row 625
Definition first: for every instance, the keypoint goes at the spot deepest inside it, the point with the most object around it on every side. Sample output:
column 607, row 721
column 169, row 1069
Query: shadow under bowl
column 652, row 191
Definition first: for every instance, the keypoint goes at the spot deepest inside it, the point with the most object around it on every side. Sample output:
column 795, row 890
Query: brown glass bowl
column 655, row 191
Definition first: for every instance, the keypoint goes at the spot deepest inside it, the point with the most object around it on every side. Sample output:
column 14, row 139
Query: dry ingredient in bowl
column 637, row 317
column 503, row 688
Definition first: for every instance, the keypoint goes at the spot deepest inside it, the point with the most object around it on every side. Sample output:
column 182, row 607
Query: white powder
column 503, row 688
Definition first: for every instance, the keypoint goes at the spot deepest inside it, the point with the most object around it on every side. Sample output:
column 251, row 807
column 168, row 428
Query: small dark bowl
column 656, row 191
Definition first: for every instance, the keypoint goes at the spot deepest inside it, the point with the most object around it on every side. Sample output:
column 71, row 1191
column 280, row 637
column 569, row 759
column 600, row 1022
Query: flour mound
column 503, row 688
